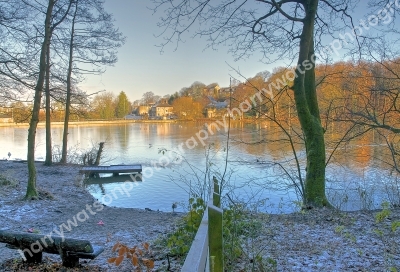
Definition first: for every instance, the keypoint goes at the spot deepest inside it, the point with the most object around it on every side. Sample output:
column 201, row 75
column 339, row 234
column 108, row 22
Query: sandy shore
column 317, row 240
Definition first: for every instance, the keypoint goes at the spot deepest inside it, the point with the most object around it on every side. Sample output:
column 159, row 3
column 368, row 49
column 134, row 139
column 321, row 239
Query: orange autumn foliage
column 139, row 257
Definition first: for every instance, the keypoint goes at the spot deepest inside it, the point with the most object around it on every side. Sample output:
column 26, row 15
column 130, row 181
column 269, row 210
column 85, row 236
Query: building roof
column 217, row 104
column 212, row 86
column 164, row 106
column 5, row 115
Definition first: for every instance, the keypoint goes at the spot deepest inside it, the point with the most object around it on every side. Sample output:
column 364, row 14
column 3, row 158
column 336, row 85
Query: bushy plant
column 240, row 227
column 384, row 214
column 233, row 229
column 7, row 181
column 179, row 242
column 387, row 234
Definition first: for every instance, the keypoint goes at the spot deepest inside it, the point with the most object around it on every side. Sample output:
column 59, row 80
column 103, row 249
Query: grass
column 7, row 182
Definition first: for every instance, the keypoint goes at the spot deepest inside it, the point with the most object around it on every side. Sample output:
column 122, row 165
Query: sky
column 142, row 68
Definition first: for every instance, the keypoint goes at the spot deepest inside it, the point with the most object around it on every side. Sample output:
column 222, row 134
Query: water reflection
column 354, row 166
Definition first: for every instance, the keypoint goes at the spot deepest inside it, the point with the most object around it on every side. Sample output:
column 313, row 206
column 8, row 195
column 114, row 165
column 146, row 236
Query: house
column 6, row 118
column 211, row 90
column 143, row 110
column 225, row 91
column 161, row 110
column 215, row 108
column 210, row 112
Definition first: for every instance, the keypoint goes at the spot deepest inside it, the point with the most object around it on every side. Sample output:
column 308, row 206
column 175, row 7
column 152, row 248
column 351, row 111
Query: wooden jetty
column 113, row 169
column 112, row 179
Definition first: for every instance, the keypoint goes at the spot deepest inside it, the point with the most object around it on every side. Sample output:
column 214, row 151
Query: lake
column 356, row 177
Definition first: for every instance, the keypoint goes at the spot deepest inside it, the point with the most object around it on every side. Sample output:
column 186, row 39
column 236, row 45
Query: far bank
column 121, row 121
column 91, row 122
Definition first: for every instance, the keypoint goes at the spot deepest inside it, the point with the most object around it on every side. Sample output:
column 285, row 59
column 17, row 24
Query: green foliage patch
column 239, row 227
column 180, row 241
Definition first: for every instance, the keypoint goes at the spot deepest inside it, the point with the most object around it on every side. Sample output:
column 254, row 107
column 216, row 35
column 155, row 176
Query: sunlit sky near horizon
column 141, row 67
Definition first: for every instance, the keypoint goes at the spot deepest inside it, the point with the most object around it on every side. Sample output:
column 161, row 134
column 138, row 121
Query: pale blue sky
column 141, row 67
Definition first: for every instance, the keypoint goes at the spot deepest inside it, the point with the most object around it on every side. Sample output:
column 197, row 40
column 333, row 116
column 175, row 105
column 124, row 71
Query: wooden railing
column 206, row 252
column 197, row 258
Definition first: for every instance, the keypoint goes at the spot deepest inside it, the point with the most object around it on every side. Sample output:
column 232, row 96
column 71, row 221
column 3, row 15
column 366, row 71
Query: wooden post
column 215, row 239
column 216, row 195
column 101, row 146
column 32, row 257
column 69, row 259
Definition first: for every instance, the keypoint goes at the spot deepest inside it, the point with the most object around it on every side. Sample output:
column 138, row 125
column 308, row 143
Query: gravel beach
column 63, row 198
column 315, row 240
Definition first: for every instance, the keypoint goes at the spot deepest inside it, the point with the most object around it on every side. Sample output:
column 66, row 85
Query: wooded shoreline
column 128, row 121
column 42, row 124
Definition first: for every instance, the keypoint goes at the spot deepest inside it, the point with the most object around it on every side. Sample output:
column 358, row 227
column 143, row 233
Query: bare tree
column 49, row 26
column 16, row 75
column 93, row 40
column 378, row 104
column 285, row 29
column 48, row 160
column 148, row 97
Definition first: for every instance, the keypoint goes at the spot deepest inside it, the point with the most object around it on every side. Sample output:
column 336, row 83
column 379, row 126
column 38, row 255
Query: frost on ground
column 324, row 240
column 62, row 200
column 317, row 240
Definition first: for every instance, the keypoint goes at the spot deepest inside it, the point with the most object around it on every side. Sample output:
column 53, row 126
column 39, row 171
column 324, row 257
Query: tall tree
column 93, row 39
column 282, row 29
column 186, row 108
column 69, row 83
column 49, row 153
column 123, row 105
column 63, row 8
column 148, row 97
column 31, row 189
column 305, row 95
column 20, row 112
column 103, row 106
column 49, row 27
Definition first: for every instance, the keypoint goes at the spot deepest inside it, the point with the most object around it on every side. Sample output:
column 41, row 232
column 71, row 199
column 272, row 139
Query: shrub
column 179, row 241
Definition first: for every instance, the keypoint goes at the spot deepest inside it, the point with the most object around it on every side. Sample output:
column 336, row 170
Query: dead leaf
column 148, row 263
column 119, row 260
column 122, row 251
column 111, row 260
column 133, row 249
column 135, row 260
column 115, row 247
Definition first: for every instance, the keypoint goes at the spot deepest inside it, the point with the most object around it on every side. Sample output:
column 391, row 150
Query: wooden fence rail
column 206, row 252
column 196, row 260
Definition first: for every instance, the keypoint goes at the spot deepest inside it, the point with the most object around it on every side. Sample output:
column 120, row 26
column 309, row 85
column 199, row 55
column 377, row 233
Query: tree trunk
column 68, row 99
column 308, row 112
column 31, row 188
column 49, row 160
column 98, row 156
